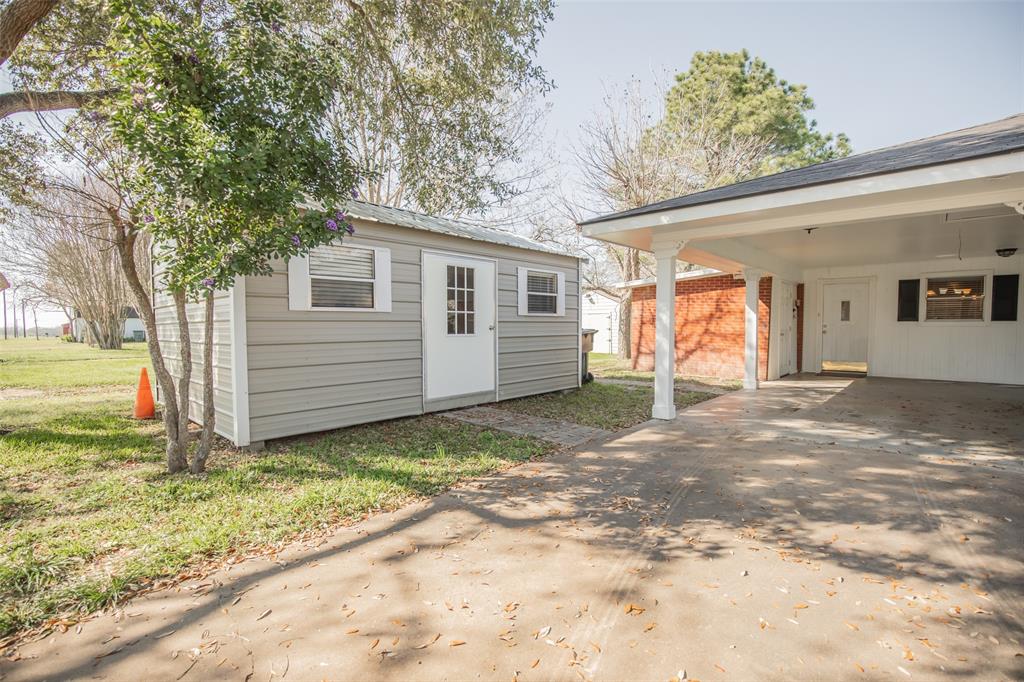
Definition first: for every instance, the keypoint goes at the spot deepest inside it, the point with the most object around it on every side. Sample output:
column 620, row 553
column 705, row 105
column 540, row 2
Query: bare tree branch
column 22, row 101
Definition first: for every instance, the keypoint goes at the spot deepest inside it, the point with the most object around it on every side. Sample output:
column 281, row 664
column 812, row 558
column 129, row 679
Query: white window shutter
column 521, row 290
column 560, row 305
column 298, row 283
column 382, row 280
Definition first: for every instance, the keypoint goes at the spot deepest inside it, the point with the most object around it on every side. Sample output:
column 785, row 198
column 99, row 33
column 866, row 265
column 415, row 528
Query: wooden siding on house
column 318, row 370
column 984, row 351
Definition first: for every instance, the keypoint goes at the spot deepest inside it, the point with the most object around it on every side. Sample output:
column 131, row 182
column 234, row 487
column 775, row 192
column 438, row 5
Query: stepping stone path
column 553, row 430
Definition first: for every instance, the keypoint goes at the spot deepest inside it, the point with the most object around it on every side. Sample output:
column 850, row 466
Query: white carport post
column 752, row 278
column 665, row 331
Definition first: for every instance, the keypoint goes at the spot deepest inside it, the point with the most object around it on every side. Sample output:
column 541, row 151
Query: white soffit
column 892, row 240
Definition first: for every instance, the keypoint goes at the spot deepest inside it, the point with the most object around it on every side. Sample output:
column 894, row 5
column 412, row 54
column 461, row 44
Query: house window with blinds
column 955, row 298
column 341, row 277
column 541, row 292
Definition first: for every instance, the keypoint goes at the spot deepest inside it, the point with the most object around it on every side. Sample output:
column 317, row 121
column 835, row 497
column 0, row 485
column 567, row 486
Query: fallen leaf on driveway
column 634, row 610
column 456, row 642
column 264, row 614
column 650, row 626
column 424, row 646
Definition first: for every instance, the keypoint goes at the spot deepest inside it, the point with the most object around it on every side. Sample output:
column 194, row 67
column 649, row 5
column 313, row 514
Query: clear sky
column 883, row 73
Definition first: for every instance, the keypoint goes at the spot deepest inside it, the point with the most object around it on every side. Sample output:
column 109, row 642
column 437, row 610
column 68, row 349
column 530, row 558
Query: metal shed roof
column 456, row 228
column 989, row 139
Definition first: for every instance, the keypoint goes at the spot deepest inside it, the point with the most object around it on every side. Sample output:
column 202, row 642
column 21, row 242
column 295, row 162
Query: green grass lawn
column 608, row 366
column 54, row 364
column 605, row 406
column 88, row 514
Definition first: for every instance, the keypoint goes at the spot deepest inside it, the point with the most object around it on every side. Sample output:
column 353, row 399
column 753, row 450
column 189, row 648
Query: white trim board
column 239, row 363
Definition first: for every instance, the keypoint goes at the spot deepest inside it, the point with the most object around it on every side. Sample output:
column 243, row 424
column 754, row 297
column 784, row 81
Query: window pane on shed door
column 844, row 311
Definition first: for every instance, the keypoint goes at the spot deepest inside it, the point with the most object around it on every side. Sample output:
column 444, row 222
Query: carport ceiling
column 968, row 233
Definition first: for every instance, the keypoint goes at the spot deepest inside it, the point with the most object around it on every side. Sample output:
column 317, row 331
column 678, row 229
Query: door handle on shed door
column 491, row 328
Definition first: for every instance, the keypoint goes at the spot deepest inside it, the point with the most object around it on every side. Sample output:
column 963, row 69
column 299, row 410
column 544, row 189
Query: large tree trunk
column 176, row 448
column 631, row 271
column 626, row 325
column 209, row 413
column 17, row 18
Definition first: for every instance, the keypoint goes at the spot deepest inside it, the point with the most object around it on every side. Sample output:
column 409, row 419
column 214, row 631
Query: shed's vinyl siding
column 167, row 332
column 526, row 341
column 317, row 370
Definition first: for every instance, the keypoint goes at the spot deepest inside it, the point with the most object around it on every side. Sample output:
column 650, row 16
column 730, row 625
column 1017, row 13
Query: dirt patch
column 15, row 393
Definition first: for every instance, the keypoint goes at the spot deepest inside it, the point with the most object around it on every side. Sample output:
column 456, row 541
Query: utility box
column 587, row 345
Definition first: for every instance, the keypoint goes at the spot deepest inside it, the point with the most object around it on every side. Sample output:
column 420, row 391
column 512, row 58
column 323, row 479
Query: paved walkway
column 552, row 430
column 702, row 546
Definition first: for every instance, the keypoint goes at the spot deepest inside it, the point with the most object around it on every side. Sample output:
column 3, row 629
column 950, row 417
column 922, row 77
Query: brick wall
column 709, row 326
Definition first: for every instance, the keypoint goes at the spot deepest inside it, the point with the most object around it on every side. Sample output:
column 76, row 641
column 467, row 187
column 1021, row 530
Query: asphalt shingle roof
column 989, row 139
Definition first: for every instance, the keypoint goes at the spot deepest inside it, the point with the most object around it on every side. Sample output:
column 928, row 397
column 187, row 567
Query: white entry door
column 844, row 327
column 787, row 328
column 458, row 325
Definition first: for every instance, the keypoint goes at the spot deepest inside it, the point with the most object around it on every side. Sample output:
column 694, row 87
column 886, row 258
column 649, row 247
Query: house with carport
column 900, row 262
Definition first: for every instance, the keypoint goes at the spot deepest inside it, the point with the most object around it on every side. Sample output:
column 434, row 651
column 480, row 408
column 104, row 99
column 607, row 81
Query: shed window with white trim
column 541, row 292
column 955, row 298
column 347, row 277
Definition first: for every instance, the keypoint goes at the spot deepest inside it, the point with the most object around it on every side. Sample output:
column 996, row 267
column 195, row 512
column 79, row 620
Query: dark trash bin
column 587, row 345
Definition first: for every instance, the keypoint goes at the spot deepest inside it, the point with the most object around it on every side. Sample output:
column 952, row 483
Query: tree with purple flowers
column 224, row 113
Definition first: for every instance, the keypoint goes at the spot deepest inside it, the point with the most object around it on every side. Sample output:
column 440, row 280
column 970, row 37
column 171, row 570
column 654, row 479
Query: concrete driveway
column 819, row 529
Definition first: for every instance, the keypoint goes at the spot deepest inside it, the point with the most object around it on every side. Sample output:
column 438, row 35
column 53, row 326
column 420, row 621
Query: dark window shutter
column 909, row 300
column 1004, row 298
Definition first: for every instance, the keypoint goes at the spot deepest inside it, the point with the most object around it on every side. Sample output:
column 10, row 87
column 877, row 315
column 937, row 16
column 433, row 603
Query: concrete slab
column 724, row 553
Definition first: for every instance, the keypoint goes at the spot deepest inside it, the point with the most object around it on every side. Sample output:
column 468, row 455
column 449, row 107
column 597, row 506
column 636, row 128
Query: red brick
column 709, row 326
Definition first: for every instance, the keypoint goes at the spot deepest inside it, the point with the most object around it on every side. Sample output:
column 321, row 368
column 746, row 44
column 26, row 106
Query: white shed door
column 844, row 327
column 458, row 325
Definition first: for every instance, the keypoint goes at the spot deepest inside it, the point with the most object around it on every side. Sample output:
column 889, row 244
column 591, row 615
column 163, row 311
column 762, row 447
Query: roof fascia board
column 971, row 169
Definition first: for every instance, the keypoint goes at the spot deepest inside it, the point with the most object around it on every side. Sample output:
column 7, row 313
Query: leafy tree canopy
column 225, row 112
column 732, row 97
column 426, row 95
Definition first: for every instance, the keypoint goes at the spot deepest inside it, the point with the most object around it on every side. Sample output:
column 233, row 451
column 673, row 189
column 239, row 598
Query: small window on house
column 341, row 277
column 1005, row 290
column 909, row 300
column 955, row 298
column 461, row 300
column 541, row 292
column 844, row 311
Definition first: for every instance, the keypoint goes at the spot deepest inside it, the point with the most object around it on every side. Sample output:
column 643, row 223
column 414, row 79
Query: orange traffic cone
column 144, row 398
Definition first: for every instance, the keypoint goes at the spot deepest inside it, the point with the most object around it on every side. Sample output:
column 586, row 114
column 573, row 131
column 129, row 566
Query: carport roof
column 989, row 139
